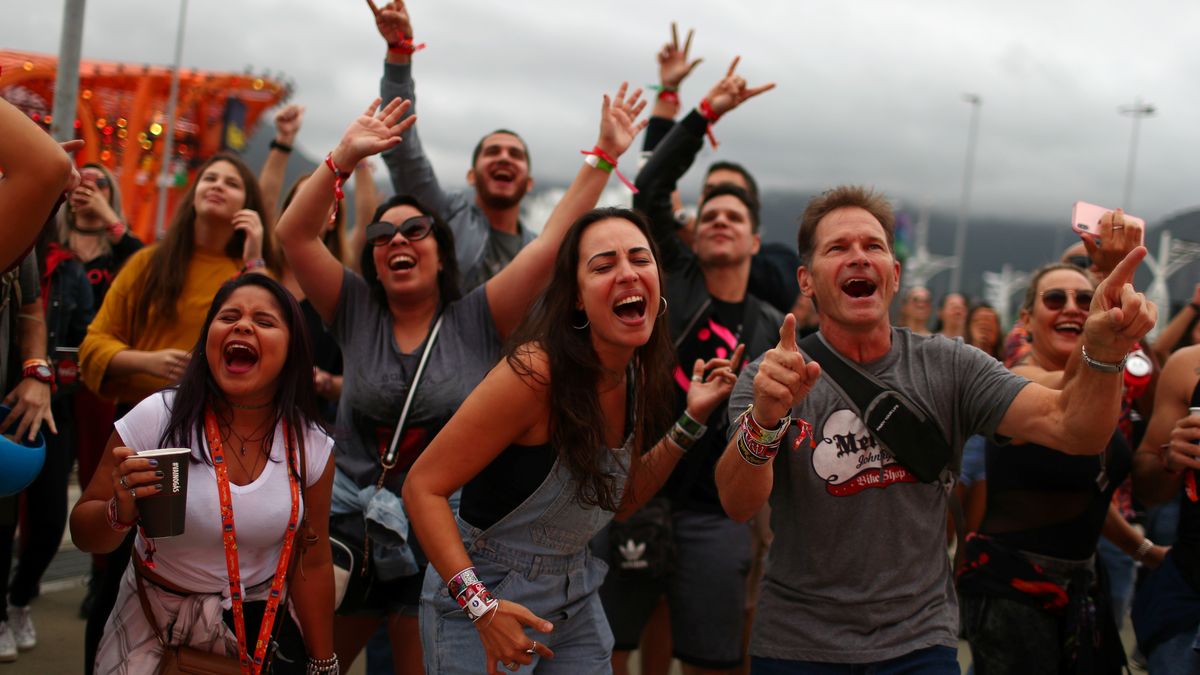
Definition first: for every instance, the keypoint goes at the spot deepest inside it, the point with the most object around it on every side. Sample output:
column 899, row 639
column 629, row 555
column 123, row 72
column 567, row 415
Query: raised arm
column 514, row 410
column 674, row 156
column 1169, row 450
column 299, row 228
column 271, row 177
column 781, row 380
column 513, row 290
column 408, row 167
column 36, row 171
column 1175, row 330
column 673, row 69
column 1080, row 418
column 712, row 382
column 366, row 200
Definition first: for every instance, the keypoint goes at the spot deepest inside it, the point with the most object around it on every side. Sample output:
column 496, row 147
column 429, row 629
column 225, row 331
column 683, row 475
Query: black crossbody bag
column 894, row 420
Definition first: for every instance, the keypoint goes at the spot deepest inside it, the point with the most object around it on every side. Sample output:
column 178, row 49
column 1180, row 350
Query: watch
column 38, row 369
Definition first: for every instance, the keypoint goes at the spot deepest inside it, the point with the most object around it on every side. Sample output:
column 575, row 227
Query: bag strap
column 859, row 389
column 145, row 602
column 695, row 317
column 750, row 312
column 388, row 461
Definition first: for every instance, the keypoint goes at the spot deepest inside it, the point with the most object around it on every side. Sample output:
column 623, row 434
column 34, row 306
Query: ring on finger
column 532, row 649
column 133, row 493
column 512, row 665
column 697, row 378
column 124, row 484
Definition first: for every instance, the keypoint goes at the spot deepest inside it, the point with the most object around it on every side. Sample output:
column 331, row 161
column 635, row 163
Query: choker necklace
column 242, row 406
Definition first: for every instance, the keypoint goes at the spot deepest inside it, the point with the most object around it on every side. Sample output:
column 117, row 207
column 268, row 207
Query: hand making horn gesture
column 732, row 90
column 373, row 132
column 783, row 378
column 392, row 21
column 1120, row 316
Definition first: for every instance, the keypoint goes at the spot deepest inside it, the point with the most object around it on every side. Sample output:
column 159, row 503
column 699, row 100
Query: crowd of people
column 459, row 444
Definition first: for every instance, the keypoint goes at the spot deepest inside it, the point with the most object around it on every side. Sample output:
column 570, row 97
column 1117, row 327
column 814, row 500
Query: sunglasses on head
column 1056, row 298
column 413, row 229
column 1080, row 261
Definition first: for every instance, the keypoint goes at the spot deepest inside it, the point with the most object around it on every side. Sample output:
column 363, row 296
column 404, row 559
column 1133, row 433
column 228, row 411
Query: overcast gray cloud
column 869, row 91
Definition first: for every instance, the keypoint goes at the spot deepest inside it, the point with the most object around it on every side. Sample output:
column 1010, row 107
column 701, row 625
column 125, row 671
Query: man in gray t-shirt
column 858, row 572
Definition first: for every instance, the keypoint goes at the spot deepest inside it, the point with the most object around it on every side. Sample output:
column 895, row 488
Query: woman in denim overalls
column 580, row 402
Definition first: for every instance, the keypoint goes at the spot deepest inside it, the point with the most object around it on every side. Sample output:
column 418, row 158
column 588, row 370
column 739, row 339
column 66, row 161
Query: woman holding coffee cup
column 257, row 499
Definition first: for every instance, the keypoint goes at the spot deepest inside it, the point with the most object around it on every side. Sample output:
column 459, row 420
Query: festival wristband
column 114, row 520
column 712, row 116
column 116, row 229
column 253, row 264
column 690, row 426
column 339, row 178
column 755, row 454
column 760, row 434
column 601, row 159
column 679, row 437
column 405, row 46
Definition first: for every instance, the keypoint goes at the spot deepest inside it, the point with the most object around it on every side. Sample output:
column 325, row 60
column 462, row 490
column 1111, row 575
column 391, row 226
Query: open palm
column 373, row 132
column 618, row 120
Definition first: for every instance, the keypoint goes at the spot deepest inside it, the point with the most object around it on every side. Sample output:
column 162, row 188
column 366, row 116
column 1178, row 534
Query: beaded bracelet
column 329, row 666
column 114, row 520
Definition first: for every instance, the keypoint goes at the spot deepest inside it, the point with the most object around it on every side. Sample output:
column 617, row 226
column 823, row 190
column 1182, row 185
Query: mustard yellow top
column 112, row 330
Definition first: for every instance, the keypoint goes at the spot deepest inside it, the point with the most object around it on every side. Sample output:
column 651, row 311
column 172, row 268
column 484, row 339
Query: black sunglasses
column 1056, row 298
column 413, row 229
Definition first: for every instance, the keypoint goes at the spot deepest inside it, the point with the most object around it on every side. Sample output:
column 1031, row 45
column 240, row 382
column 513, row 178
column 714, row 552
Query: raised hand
column 392, row 21
column 1119, row 316
column 712, row 382
column 1116, row 239
column 248, row 221
column 731, row 91
column 673, row 65
column 618, row 121
column 287, row 123
column 783, row 377
column 504, row 638
column 87, row 200
column 373, row 132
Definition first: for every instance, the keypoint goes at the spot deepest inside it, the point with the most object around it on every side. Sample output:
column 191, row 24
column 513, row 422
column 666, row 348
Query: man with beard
column 487, row 229
column 857, row 574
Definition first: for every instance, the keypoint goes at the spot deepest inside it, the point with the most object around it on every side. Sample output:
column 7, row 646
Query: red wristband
column 600, row 154
column 405, row 46
column 339, row 177
column 711, row 115
column 668, row 96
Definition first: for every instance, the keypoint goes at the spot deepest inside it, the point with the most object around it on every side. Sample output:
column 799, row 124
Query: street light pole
column 66, row 79
column 1137, row 111
column 960, row 233
column 164, row 180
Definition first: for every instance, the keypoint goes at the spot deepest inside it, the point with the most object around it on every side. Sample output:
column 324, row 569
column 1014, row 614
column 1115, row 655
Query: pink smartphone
column 1085, row 219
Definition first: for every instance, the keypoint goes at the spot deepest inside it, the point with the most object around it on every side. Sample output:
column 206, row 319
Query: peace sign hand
column 373, row 133
column 618, row 125
column 731, row 91
column 1120, row 316
column 673, row 66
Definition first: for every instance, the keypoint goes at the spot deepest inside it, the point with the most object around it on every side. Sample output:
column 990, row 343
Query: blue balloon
column 20, row 463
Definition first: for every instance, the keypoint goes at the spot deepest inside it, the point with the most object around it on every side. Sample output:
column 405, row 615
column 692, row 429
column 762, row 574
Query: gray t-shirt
column 500, row 250
column 858, row 570
column 376, row 377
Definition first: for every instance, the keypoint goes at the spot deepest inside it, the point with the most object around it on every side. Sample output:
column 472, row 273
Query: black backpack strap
column 751, row 317
column 691, row 323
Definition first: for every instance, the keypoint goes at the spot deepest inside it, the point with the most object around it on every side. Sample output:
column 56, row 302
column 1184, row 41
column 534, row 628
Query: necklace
column 242, row 406
column 243, row 441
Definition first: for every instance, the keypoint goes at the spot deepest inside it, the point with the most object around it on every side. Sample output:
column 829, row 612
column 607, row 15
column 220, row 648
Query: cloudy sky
column 868, row 91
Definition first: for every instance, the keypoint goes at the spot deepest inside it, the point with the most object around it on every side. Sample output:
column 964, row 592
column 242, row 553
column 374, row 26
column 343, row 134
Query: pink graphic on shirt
column 683, row 378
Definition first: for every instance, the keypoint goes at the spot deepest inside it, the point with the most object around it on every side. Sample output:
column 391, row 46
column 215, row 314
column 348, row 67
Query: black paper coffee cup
column 163, row 514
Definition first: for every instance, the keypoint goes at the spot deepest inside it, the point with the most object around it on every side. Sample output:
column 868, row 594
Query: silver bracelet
column 327, row 666
column 1103, row 366
column 1142, row 549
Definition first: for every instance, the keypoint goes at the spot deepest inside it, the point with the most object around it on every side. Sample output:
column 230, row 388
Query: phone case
column 1085, row 218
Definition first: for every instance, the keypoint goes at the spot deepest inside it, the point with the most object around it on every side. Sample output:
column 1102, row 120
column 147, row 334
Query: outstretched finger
column 633, row 99
column 72, row 146
column 637, row 110
column 374, row 9
column 620, row 97
column 1123, row 273
column 370, row 112
column 735, row 361
column 687, row 46
column 692, row 66
column 675, row 36
column 733, row 66
column 698, row 370
column 751, row 93
column 405, row 124
column 787, row 334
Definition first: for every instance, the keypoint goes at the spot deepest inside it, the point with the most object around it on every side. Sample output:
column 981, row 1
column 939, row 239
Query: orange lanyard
column 229, row 537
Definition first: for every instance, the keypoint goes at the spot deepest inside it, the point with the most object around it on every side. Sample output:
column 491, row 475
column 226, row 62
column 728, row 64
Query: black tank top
column 1047, row 502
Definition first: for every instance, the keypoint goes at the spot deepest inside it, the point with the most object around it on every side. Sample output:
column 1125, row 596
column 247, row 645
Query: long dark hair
column 295, row 399
column 576, row 420
column 995, row 350
column 442, row 234
column 167, row 269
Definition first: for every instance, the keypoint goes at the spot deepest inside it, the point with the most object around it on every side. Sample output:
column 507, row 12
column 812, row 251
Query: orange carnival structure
column 121, row 115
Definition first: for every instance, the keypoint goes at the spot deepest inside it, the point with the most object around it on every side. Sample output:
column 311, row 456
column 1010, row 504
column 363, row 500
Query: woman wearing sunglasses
column 1031, row 576
column 403, row 326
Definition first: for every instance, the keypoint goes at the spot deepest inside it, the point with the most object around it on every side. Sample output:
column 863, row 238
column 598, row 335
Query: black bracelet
column 282, row 147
